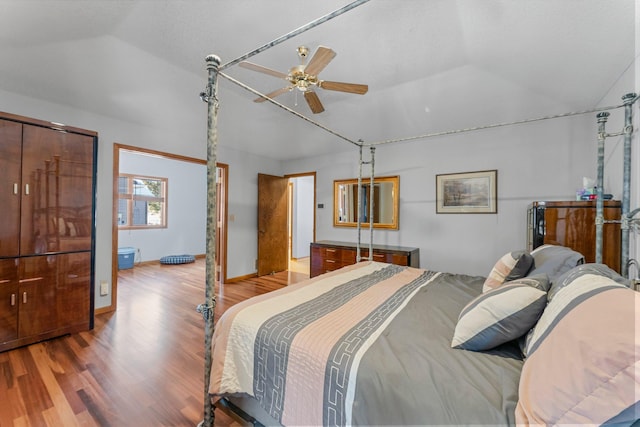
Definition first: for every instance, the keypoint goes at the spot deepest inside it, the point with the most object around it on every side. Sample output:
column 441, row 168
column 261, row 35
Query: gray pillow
column 595, row 269
column 554, row 260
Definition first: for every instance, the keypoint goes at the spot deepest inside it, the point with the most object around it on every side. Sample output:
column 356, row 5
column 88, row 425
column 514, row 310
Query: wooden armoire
column 573, row 224
column 47, row 194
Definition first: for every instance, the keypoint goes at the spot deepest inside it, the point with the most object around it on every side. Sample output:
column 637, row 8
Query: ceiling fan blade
column 344, row 87
column 261, row 69
column 314, row 102
column 274, row 93
column 320, row 59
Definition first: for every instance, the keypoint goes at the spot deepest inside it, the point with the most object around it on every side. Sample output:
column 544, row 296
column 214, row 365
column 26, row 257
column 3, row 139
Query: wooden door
column 73, row 291
column 57, row 201
column 37, row 311
column 272, row 224
column 8, row 299
column 10, row 187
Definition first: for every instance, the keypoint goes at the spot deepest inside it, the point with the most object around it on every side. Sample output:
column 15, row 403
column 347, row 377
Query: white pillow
column 501, row 315
column 511, row 266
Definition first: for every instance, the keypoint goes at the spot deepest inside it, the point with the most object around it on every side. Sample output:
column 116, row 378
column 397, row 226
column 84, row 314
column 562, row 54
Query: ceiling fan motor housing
column 300, row 79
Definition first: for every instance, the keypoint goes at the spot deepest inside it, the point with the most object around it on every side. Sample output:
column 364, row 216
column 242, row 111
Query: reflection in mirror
column 385, row 202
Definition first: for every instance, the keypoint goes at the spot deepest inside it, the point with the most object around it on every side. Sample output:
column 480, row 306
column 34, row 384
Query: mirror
column 385, row 202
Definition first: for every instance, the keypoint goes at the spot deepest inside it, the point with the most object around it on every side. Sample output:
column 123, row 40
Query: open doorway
column 187, row 173
column 301, row 220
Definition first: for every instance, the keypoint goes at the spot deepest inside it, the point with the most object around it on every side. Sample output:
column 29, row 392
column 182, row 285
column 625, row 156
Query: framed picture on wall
column 467, row 192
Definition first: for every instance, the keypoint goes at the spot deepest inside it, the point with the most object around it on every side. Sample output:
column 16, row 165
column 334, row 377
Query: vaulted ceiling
column 431, row 65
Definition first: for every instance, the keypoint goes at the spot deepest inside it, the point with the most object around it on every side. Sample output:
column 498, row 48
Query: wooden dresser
column 327, row 255
column 573, row 224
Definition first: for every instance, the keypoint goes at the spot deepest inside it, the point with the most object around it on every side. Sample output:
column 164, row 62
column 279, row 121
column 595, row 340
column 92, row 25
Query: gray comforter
column 412, row 376
column 370, row 345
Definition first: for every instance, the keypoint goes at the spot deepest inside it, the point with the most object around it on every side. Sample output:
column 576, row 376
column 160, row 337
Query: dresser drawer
column 329, row 256
column 332, row 264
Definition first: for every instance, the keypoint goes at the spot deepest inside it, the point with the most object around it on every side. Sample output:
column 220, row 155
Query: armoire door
column 57, row 171
column 73, row 291
column 37, row 311
column 10, row 187
column 8, row 299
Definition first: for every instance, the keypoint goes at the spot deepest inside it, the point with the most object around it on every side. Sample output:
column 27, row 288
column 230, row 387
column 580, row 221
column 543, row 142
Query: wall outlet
column 104, row 288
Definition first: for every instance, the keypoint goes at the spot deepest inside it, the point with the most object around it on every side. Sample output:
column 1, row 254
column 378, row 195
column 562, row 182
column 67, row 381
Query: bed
column 418, row 346
column 377, row 343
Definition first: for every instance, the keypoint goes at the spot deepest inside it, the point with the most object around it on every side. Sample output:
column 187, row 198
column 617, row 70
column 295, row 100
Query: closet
column 47, row 194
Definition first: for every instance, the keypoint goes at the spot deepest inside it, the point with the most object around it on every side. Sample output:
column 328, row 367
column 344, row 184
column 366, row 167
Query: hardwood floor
column 142, row 365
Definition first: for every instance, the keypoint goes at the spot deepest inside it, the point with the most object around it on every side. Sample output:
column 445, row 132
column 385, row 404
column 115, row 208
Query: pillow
column 511, row 266
column 583, row 357
column 500, row 315
column 596, row 269
column 554, row 260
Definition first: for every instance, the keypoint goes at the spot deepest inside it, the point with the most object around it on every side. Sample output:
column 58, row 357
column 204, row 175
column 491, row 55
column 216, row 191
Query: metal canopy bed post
column 210, row 96
column 626, row 217
column 371, row 203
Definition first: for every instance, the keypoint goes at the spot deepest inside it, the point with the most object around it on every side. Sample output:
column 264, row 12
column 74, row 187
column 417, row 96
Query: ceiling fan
column 304, row 77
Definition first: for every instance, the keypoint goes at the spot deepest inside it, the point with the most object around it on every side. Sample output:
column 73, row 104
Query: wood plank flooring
column 142, row 365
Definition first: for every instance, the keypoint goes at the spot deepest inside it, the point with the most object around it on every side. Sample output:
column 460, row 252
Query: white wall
column 537, row 161
column 186, row 207
column 242, row 243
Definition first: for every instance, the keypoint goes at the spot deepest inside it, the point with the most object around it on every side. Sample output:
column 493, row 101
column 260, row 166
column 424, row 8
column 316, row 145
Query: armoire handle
column 15, row 188
column 24, row 297
column 13, row 300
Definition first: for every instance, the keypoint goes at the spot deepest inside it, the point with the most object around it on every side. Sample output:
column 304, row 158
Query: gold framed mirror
column 386, row 198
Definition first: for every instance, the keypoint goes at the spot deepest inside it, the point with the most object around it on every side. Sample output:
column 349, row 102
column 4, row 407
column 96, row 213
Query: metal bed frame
column 210, row 96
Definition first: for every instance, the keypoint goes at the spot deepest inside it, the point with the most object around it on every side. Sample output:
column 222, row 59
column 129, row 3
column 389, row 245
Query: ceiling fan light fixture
column 305, row 76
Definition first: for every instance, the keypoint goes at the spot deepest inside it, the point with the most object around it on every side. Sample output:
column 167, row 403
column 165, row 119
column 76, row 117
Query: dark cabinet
column 331, row 255
column 8, row 299
column 573, row 224
column 10, row 187
column 47, row 189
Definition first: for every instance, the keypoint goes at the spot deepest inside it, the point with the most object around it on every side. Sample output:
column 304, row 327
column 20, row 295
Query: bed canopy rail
column 496, row 125
column 626, row 216
column 284, row 107
column 294, row 33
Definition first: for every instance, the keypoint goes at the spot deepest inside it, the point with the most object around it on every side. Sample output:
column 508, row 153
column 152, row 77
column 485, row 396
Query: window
column 142, row 201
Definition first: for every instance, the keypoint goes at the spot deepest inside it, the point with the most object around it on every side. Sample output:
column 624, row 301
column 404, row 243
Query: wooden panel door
column 8, row 299
column 73, row 291
column 272, row 224
column 37, row 295
column 10, row 187
column 57, row 179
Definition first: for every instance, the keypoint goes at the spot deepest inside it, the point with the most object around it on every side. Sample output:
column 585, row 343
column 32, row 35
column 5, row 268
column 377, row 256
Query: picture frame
column 467, row 192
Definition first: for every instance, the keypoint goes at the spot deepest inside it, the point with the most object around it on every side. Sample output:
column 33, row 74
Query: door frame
column 117, row 148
